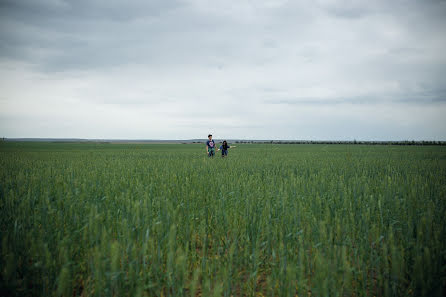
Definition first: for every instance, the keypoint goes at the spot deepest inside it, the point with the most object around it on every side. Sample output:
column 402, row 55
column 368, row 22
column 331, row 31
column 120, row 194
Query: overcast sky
column 338, row 70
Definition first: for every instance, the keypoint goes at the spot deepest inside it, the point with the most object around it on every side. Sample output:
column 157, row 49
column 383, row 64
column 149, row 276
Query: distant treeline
column 148, row 141
column 404, row 142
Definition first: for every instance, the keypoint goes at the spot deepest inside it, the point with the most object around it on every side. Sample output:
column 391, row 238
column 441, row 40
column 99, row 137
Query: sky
column 257, row 69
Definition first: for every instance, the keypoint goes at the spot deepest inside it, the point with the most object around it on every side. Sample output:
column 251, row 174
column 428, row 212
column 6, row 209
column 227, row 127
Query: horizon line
column 74, row 139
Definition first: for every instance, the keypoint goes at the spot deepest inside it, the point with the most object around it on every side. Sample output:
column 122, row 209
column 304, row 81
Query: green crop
column 269, row 220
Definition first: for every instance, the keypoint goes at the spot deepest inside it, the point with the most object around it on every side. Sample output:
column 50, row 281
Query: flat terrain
column 92, row 219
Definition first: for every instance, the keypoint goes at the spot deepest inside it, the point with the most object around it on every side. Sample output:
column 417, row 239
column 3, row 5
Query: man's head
column 210, row 136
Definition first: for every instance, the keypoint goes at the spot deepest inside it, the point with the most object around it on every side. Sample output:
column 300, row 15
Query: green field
column 86, row 219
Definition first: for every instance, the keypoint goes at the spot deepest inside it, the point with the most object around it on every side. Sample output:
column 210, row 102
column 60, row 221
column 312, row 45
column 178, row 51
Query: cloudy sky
column 271, row 69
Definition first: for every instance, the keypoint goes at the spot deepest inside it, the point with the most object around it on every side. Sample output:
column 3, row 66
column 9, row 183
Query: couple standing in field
column 210, row 147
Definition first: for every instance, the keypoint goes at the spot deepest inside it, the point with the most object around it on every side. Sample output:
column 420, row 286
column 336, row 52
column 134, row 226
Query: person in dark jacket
column 224, row 148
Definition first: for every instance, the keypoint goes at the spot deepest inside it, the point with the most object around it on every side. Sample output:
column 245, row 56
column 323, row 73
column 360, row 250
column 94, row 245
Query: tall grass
column 269, row 220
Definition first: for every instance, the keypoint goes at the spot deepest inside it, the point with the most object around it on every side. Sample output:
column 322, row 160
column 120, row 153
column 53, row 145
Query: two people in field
column 210, row 147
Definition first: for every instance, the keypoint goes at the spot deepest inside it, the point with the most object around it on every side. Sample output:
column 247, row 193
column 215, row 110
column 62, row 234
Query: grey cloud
column 270, row 54
column 320, row 101
column 436, row 98
column 45, row 12
column 95, row 34
column 348, row 9
column 88, row 37
column 423, row 94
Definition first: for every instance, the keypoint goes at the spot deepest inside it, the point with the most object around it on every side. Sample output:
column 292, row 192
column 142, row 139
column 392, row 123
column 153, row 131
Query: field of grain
column 86, row 219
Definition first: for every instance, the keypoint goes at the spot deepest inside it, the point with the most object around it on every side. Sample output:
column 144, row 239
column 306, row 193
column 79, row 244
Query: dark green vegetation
column 269, row 220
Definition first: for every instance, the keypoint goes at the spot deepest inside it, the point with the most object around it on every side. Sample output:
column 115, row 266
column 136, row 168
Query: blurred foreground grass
column 86, row 219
